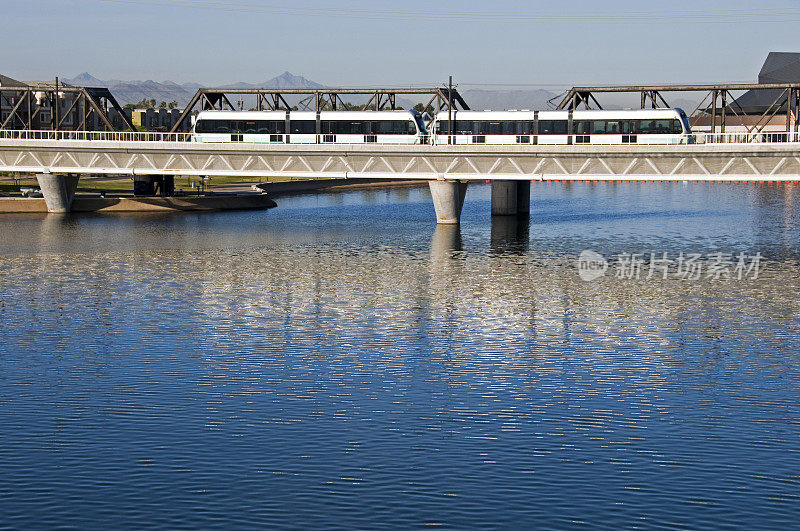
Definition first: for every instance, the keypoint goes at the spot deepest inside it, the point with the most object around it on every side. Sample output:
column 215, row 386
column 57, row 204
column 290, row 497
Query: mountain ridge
column 134, row 91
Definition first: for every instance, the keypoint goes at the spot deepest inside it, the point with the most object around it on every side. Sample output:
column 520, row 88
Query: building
column 152, row 119
column 51, row 105
column 779, row 68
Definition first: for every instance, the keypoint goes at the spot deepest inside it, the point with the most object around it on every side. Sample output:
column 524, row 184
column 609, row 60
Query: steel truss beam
column 317, row 99
column 751, row 162
column 87, row 102
column 720, row 104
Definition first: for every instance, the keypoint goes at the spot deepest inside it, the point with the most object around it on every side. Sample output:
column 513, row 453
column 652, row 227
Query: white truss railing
column 770, row 137
column 762, row 137
column 100, row 136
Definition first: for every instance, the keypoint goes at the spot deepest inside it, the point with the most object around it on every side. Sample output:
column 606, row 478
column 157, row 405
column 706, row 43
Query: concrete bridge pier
column 448, row 200
column 511, row 198
column 58, row 190
column 523, row 198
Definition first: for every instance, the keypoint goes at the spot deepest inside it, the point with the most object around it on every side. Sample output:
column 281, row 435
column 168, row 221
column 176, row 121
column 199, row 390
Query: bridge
column 448, row 168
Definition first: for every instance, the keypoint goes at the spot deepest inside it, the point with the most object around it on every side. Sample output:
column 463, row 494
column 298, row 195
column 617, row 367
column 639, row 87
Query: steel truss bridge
column 719, row 106
column 85, row 106
column 377, row 99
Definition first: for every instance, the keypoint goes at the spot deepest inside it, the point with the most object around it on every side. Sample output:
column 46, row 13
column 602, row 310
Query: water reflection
column 446, row 241
column 311, row 365
column 509, row 234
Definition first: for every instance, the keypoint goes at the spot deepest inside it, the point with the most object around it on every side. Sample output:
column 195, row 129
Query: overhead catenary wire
column 716, row 16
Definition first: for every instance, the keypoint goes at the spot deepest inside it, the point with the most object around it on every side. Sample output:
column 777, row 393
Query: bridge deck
column 724, row 161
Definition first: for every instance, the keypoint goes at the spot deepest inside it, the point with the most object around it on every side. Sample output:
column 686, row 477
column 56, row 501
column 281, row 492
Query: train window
column 545, row 127
column 465, row 127
column 663, row 126
column 598, row 127
column 656, row 127
column 646, row 126
column 613, row 128
column 581, row 128
column 213, row 126
column 303, row 127
column 350, row 128
column 557, row 127
column 248, row 127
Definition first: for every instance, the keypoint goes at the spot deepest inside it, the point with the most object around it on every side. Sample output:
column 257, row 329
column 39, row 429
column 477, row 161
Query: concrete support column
column 523, row 198
column 448, row 199
column 504, row 198
column 58, row 190
column 151, row 185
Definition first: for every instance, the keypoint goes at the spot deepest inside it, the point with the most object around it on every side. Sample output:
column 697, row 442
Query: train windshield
column 420, row 124
column 685, row 121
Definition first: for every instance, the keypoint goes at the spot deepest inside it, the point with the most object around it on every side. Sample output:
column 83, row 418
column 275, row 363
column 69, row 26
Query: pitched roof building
column 780, row 67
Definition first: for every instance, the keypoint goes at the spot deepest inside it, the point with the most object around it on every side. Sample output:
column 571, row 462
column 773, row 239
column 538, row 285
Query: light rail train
column 301, row 127
column 653, row 126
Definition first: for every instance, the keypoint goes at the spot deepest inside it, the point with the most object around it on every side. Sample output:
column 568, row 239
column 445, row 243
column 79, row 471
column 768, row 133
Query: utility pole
column 450, row 125
column 55, row 108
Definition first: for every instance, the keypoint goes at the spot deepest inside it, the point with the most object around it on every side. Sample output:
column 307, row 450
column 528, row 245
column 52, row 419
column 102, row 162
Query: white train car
column 302, row 127
column 647, row 126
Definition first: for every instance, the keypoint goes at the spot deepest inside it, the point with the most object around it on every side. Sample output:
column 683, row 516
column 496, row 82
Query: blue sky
column 371, row 43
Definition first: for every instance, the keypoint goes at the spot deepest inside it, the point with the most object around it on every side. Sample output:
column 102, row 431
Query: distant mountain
column 135, row 91
column 85, row 80
column 283, row 81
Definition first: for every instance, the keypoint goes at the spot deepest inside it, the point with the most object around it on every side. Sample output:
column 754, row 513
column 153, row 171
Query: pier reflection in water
column 355, row 365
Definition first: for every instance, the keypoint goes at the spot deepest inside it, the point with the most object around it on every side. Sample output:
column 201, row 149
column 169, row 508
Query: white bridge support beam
column 58, row 191
column 448, row 200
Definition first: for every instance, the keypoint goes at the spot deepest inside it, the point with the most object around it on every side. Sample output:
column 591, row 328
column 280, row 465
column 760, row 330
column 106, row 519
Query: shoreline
column 225, row 197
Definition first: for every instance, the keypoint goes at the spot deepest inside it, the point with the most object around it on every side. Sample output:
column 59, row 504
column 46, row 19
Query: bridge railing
column 130, row 136
column 742, row 137
column 736, row 137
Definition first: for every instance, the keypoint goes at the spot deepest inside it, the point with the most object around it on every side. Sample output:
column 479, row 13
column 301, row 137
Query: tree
column 162, row 105
column 173, row 104
column 421, row 108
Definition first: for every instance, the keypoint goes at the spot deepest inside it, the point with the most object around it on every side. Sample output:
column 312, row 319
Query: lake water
column 340, row 361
